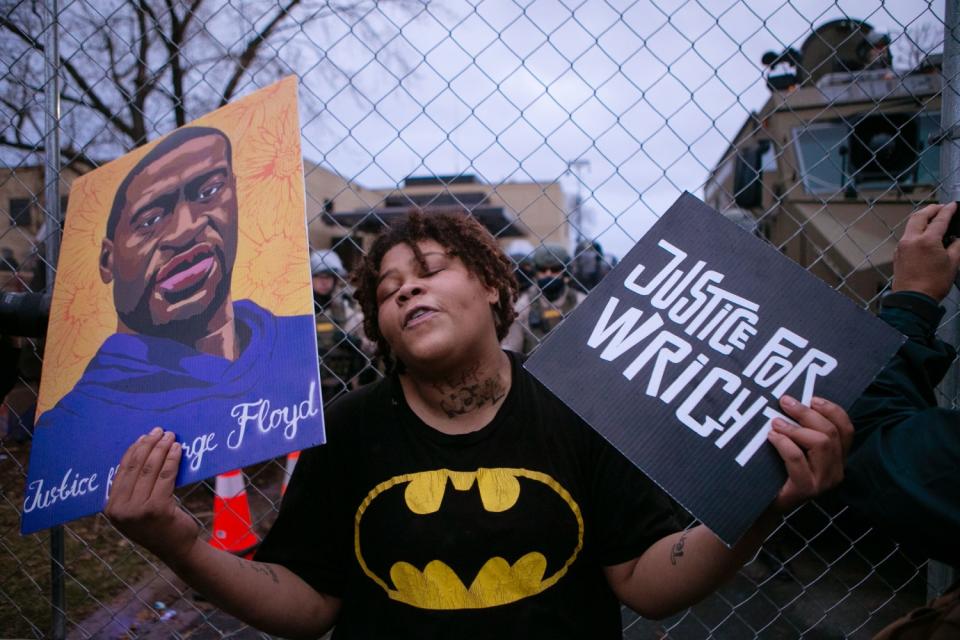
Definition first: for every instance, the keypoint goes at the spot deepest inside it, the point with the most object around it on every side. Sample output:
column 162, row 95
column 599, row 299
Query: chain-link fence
column 817, row 125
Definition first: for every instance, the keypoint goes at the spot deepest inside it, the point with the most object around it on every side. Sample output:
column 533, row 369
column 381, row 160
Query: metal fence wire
column 817, row 125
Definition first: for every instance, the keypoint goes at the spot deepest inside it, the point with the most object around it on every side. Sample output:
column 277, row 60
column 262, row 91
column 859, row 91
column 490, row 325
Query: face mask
column 321, row 300
column 551, row 286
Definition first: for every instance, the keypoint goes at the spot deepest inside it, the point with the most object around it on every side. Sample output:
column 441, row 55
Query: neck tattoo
column 469, row 393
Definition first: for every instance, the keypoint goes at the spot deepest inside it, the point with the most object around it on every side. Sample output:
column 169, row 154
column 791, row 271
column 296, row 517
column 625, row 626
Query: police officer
column 340, row 340
column 589, row 266
column 521, row 254
column 543, row 306
column 525, row 272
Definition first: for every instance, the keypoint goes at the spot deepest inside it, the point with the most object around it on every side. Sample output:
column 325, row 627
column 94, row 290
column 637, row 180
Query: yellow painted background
column 272, row 266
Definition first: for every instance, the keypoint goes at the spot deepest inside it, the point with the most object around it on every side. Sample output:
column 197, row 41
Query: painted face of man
column 175, row 243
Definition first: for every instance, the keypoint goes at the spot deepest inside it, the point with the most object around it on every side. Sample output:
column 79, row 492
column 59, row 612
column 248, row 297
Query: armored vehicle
column 841, row 153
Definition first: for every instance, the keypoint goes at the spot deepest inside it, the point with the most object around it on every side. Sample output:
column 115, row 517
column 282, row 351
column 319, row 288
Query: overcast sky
column 647, row 93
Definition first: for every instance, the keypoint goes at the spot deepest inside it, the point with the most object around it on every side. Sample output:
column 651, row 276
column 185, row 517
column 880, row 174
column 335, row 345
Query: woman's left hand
column 814, row 450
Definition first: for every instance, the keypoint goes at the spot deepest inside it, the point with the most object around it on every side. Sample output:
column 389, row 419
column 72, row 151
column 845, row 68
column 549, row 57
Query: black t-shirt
column 501, row 532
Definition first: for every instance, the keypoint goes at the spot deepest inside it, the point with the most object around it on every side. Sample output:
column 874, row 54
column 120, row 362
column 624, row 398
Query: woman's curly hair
column 464, row 238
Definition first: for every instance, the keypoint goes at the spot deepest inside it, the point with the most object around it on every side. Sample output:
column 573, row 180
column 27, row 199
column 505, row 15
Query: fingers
column 128, row 473
column 152, row 464
column 800, row 475
column 813, row 451
column 920, row 262
column 144, row 509
column 807, row 439
column 122, row 482
column 806, row 416
column 938, row 223
column 918, row 220
column 953, row 250
column 140, row 467
column 839, row 418
column 932, row 221
column 166, row 479
column 824, row 417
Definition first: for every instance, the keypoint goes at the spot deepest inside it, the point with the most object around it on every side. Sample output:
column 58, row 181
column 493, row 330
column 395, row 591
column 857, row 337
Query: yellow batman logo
column 434, row 521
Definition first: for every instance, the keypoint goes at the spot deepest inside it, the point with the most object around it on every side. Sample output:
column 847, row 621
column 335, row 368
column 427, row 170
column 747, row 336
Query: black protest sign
column 679, row 355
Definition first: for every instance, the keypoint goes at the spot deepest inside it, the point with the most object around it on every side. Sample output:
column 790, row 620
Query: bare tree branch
column 173, row 41
column 250, row 52
column 69, row 154
column 96, row 102
column 138, row 67
column 916, row 42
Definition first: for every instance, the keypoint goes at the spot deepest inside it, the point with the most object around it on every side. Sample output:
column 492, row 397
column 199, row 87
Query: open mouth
column 185, row 273
column 417, row 315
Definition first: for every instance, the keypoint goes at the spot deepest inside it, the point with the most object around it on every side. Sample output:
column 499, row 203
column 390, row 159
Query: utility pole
column 576, row 215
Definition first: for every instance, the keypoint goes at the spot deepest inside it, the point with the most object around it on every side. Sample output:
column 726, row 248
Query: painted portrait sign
column 679, row 356
column 182, row 301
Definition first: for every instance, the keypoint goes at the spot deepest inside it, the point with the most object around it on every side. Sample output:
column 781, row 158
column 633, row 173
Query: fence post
column 51, row 178
column 51, row 208
column 941, row 576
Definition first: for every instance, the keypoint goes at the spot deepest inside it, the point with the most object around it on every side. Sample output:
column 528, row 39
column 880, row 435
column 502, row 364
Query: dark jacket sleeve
column 904, row 472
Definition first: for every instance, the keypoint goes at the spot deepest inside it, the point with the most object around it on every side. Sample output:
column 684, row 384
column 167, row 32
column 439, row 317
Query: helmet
column 326, row 261
column 877, row 39
column 587, row 245
column 522, row 261
column 550, row 255
column 520, row 251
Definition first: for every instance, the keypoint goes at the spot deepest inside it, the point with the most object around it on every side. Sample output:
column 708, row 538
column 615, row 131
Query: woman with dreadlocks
column 457, row 497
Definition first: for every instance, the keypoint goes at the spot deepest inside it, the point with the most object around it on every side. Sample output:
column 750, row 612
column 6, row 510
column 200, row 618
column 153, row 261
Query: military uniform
column 537, row 317
column 339, row 344
column 537, row 314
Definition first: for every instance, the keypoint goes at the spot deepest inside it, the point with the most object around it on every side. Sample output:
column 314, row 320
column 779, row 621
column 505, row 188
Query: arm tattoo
column 677, row 550
column 469, row 393
column 261, row 568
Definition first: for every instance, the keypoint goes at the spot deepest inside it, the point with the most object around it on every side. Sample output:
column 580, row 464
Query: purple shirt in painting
column 225, row 414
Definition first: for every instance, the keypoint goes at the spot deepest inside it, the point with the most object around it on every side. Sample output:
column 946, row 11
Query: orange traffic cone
column 292, row 458
column 232, row 526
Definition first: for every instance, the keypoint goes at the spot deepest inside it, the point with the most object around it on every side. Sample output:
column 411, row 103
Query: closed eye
column 434, row 263
column 386, row 290
column 387, row 295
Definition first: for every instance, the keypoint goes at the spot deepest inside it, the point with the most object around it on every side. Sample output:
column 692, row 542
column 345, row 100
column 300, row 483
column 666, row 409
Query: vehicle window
column 884, row 150
column 928, row 163
column 873, row 152
column 768, row 161
column 819, row 152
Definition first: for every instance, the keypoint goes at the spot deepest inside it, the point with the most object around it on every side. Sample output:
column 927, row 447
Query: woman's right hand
column 141, row 503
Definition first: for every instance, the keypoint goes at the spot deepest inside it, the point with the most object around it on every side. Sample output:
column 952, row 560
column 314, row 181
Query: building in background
column 341, row 214
column 344, row 216
column 23, row 228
